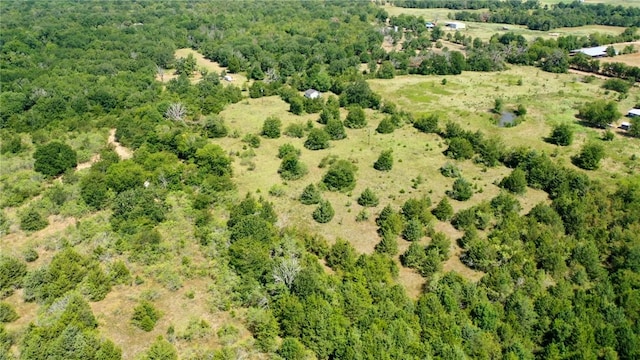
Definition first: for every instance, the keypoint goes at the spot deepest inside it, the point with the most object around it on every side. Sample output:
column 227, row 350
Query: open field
column 484, row 31
column 549, row 99
column 629, row 59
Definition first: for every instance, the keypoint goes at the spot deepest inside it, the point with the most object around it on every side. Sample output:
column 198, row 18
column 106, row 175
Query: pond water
column 507, row 118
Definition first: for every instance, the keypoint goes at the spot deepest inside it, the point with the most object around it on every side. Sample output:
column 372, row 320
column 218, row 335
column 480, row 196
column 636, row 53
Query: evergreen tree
column 324, row 212
column 384, row 162
column 516, row 182
column 317, row 139
column 461, row 190
column 54, row 158
column 368, row 198
column 310, row 195
column 589, row 157
column 271, row 127
column 443, row 211
column 386, row 126
column 561, row 135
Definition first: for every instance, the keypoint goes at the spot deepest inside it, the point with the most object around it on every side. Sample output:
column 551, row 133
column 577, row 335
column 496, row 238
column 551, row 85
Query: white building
column 455, row 25
column 312, row 94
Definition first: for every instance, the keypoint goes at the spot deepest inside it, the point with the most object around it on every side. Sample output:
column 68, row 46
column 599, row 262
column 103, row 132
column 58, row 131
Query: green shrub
column 286, row 149
column 589, row 157
column 271, row 127
column 341, row 176
column 413, row 230
column 30, row 255
column 427, row 124
column 356, row 119
column 310, row 195
column 295, row 131
column 368, row 198
column 461, row 190
column 252, row 140
column 386, row 126
column 450, row 170
column 516, row 182
column 7, row 313
column 33, row 220
column 324, row 212
column 561, row 135
column 317, row 139
column 145, row 316
column 335, row 129
column 459, row 149
column 443, row 211
column 292, row 168
column 54, row 158
column 385, row 161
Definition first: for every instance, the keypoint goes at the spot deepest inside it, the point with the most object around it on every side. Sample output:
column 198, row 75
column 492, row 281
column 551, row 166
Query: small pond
column 507, row 118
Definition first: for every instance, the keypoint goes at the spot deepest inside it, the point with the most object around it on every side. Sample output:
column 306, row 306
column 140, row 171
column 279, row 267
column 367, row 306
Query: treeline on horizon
column 534, row 15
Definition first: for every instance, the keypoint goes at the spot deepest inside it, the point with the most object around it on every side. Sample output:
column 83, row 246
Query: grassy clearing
column 484, row 31
column 629, row 59
column 549, row 98
column 201, row 63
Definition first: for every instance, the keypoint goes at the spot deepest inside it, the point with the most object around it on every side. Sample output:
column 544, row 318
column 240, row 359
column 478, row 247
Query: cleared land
column 201, row 63
column 484, row 31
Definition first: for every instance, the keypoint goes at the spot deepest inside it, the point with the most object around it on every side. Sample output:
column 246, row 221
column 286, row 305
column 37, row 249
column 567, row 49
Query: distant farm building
column 228, row 78
column 633, row 113
column 625, row 126
column 455, row 25
column 594, row 52
column 312, row 94
column 430, row 25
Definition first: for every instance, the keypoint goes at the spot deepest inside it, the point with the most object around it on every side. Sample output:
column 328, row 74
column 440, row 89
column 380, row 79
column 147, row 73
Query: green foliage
column 215, row 127
column 10, row 143
column 335, row 129
column 386, row 126
column 211, row 159
column 341, row 176
column 12, row 271
column 324, row 212
column 341, row 256
column 521, row 110
column 137, row 210
column 310, row 195
column 427, row 123
column 292, row 168
column 599, row 113
column 287, row 149
column 252, row 140
column 450, row 170
column 125, row 175
column 264, row 328
column 271, row 127
column 94, row 190
column 385, row 161
column 461, row 190
column 296, row 105
column 498, row 104
column 516, row 182
column 459, row 149
column 417, row 209
column 618, row 85
column 388, row 245
column 635, row 127
column 443, row 211
column 161, row 349
column 295, row 130
column 356, row 119
column 317, row 139
column 54, row 158
column 589, row 156
column 33, row 220
column 561, row 135
column 386, row 71
column 368, row 198
column 413, row 230
column 291, row 349
column 145, row 316
column 359, row 93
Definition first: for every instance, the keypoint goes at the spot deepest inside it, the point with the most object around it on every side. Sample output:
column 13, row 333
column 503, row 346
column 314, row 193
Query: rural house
column 633, row 113
column 312, row 94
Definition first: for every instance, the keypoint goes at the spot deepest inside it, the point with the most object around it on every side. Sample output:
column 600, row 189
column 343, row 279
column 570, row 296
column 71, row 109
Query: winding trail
column 122, row 151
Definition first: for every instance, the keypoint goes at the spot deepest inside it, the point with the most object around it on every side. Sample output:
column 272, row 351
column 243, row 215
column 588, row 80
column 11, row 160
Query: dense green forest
column 123, row 232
